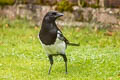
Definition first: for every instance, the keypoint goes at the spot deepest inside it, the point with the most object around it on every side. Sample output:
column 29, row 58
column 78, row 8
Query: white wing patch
column 58, row 34
column 57, row 48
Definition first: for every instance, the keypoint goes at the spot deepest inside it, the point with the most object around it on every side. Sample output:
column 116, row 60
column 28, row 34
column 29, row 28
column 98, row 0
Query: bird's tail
column 74, row 44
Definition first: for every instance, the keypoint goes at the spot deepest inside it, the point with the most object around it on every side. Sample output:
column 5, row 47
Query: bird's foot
column 66, row 72
column 48, row 73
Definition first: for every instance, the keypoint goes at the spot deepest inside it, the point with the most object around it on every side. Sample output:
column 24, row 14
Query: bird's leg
column 51, row 62
column 65, row 60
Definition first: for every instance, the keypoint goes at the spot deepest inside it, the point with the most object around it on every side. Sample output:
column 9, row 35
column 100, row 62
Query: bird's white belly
column 57, row 48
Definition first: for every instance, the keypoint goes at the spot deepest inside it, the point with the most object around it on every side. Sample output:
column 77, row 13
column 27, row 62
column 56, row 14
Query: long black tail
column 74, row 44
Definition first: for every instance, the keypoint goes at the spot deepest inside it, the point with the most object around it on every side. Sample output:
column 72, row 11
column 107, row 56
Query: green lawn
column 22, row 57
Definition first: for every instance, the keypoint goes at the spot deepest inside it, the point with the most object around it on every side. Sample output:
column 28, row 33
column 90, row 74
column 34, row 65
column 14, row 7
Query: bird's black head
column 52, row 16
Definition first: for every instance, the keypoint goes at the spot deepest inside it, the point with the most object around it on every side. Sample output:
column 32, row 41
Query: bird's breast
column 57, row 48
column 48, row 37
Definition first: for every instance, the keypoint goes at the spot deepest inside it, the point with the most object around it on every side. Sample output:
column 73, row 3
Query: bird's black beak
column 59, row 15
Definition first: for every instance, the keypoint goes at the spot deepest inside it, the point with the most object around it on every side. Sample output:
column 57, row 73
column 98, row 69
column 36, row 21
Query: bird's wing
column 61, row 37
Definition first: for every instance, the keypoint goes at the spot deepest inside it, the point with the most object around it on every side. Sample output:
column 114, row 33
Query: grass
column 22, row 57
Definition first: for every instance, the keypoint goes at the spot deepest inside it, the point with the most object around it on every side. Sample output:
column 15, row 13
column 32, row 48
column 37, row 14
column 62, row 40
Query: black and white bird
column 52, row 39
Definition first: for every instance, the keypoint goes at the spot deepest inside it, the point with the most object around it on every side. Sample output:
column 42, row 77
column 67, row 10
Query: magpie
column 51, row 38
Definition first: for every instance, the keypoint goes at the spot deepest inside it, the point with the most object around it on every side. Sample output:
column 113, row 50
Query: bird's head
column 52, row 16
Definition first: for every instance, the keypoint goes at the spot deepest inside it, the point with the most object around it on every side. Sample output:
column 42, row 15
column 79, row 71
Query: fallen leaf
column 108, row 33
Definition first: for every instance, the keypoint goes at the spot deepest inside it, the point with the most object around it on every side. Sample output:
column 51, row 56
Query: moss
column 10, row 2
column 85, row 4
column 39, row 1
column 64, row 5
column 4, row 2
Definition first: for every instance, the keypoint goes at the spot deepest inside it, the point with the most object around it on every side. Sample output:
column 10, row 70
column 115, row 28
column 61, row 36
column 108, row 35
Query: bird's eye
column 54, row 13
